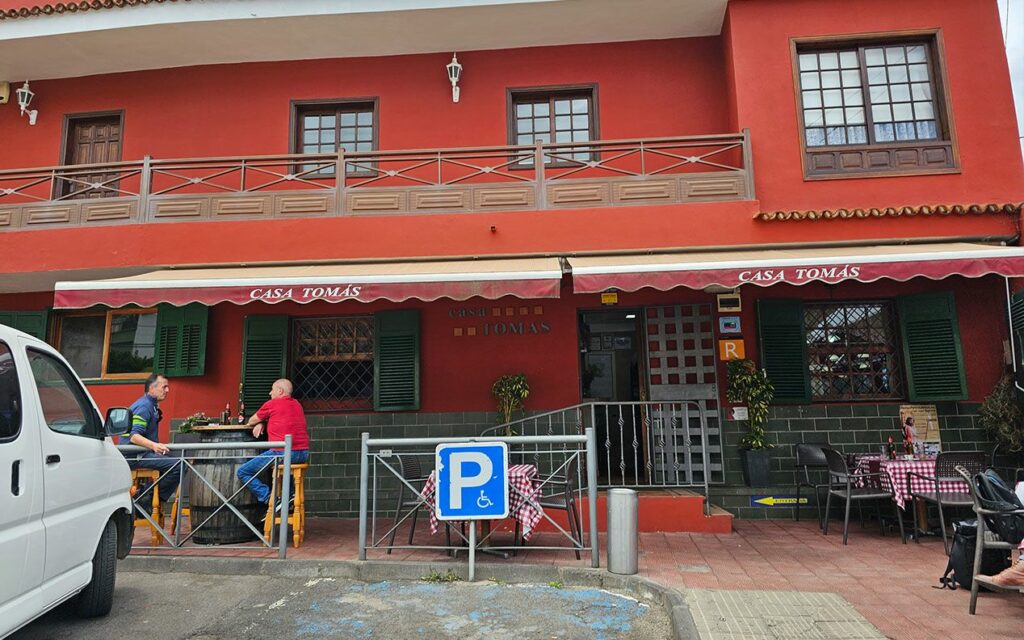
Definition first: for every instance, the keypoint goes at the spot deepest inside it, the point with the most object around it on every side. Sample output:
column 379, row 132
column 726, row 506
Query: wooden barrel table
column 220, row 468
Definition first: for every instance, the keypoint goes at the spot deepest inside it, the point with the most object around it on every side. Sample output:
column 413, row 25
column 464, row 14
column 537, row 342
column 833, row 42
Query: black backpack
column 994, row 495
column 961, row 557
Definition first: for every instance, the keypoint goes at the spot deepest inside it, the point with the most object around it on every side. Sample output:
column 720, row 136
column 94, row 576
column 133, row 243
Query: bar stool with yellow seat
column 153, row 476
column 297, row 513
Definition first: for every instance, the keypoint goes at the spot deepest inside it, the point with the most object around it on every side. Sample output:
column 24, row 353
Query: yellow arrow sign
column 771, row 501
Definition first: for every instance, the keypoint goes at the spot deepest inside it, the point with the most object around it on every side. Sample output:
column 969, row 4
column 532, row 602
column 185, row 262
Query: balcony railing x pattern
column 543, row 176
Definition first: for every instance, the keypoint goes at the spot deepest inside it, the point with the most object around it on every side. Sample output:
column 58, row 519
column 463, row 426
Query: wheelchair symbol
column 483, row 501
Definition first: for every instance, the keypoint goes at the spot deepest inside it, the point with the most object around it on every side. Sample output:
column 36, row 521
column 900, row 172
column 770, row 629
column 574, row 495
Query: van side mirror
column 119, row 421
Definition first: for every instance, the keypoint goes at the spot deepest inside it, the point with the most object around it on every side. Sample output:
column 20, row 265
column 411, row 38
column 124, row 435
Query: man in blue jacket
column 145, row 433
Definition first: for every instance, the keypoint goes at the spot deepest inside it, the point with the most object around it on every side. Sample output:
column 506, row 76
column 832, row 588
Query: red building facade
column 833, row 185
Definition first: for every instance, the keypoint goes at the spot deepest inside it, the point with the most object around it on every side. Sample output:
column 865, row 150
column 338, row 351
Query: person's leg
column 169, row 469
column 249, row 471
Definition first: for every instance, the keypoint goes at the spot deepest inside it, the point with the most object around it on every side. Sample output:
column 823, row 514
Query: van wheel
column 97, row 597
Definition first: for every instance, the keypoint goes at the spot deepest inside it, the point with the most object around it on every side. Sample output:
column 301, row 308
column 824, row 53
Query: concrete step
column 660, row 510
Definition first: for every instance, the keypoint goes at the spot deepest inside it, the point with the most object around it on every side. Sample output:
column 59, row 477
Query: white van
column 65, row 511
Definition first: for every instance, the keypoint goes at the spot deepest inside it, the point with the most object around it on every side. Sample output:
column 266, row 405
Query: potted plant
column 1000, row 415
column 511, row 391
column 750, row 387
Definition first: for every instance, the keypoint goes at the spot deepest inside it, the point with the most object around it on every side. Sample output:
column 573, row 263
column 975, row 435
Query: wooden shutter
column 31, row 322
column 396, row 361
column 783, row 343
column 181, row 340
column 931, row 347
column 264, row 355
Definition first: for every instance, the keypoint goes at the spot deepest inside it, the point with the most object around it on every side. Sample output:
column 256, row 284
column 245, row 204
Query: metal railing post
column 339, row 182
column 595, row 554
column 364, row 468
column 538, row 173
column 705, row 441
column 145, row 186
column 286, row 485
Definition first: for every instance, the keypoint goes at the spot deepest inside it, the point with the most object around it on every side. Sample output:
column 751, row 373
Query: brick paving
column 889, row 584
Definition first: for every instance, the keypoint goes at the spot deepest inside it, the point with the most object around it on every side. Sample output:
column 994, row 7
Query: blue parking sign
column 472, row 481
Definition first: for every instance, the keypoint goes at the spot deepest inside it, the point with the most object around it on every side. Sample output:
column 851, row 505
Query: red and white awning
column 794, row 266
column 456, row 280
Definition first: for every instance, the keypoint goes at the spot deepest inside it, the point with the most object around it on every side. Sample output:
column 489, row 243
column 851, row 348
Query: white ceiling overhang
column 176, row 34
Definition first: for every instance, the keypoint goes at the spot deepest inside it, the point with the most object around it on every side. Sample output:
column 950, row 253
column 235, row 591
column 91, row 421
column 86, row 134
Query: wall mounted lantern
column 24, row 96
column 454, row 73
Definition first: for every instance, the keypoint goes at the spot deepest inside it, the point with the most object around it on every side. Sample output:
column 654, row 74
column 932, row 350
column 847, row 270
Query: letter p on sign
column 472, row 481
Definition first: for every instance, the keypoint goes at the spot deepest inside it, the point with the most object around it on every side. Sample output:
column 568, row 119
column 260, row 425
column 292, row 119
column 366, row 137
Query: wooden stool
column 185, row 513
column 153, row 475
column 297, row 514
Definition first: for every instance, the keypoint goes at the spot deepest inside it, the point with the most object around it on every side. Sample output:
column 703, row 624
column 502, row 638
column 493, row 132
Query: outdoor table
column 524, row 491
column 894, row 477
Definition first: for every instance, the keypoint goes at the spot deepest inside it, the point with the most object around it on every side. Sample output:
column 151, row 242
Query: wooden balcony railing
column 543, row 176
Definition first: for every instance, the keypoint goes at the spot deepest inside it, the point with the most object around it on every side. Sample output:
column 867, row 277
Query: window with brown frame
column 873, row 106
column 109, row 345
column 557, row 115
column 853, row 351
column 328, row 127
column 332, row 362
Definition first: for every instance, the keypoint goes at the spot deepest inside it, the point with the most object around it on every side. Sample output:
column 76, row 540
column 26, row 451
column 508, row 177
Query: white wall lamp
column 454, row 73
column 25, row 95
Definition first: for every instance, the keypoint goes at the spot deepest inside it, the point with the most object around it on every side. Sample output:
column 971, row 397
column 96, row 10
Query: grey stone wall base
column 683, row 626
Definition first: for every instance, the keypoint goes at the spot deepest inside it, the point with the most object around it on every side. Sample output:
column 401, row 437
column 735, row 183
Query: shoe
column 1010, row 578
column 291, row 505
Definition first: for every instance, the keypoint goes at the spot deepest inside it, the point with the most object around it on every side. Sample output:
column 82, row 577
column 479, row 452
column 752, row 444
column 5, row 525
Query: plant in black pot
column 1001, row 416
column 750, row 387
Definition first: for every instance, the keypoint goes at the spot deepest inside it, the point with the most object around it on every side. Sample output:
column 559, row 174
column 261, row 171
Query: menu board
column 921, row 423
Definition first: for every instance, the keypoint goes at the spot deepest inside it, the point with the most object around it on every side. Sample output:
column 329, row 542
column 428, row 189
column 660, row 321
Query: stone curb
column 683, row 627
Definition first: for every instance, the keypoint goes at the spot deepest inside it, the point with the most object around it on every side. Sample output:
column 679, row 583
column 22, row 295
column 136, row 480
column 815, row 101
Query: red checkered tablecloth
column 523, row 488
column 894, row 476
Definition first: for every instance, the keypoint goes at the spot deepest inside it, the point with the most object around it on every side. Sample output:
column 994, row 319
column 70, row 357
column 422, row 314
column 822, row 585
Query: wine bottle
column 225, row 416
column 241, row 413
column 891, row 447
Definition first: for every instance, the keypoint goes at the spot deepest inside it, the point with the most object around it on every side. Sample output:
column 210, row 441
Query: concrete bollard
column 623, row 532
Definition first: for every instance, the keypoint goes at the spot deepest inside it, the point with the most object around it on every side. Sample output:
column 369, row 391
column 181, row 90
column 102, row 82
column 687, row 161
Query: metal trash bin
column 623, row 532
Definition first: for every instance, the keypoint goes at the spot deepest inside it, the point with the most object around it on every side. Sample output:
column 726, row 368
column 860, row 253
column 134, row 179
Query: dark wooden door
column 91, row 140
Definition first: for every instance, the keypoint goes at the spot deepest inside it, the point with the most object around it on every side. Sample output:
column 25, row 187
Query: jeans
column 248, row 471
column 168, row 466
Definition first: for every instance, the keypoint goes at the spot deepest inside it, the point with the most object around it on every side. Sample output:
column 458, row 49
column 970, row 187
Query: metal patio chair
column 564, row 498
column 986, row 539
column 412, row 472
column 842, row 484
column 945, row 469
column 810, row 455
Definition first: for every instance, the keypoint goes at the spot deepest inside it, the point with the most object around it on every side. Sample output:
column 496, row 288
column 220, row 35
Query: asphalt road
column 173, row 606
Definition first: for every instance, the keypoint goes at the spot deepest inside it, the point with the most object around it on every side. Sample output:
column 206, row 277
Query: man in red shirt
column 283, row 416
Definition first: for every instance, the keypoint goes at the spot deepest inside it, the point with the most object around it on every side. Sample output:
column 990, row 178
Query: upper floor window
column 326, row 127
column 875, row 106
column 564, row 115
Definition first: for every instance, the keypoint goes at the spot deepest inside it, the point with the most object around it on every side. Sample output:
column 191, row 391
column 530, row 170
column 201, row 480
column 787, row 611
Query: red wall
column 457, row 372
column 759, row 34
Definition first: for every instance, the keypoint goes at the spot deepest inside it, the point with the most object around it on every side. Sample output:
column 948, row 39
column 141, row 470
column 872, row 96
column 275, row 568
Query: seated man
column 283, row 416
column 146, row 416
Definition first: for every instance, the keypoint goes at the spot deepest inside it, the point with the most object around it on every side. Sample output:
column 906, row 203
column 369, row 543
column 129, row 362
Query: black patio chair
column 563, row 498
column 945, row 469
column 1008, row 465
column 986, row 539
column 842, row 483
column 411, row 470
column 810, row 455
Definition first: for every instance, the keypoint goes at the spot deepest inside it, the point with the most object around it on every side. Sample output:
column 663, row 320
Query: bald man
column 282, row 416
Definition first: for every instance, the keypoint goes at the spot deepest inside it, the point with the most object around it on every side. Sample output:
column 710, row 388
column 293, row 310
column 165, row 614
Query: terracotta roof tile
column 32, row 9
column 942, row 210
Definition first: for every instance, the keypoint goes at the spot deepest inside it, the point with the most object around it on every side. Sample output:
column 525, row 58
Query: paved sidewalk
column 888, row 584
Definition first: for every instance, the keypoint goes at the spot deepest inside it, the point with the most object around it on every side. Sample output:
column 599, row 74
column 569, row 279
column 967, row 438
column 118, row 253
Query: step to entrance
column 666, row 511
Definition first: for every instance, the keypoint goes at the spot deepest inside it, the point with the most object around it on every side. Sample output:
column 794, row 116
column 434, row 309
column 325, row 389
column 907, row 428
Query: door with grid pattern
column 681, row 365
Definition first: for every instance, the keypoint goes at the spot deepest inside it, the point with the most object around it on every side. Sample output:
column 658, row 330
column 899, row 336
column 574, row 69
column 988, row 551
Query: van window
column 66, row 408
column 10, row 396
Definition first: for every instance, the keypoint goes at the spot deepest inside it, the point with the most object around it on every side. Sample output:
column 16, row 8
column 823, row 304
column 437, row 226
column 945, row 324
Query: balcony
column 676, row 170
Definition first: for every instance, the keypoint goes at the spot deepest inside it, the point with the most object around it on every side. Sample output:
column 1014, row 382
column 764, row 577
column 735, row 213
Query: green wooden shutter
column 931, row 347
column 264, row 354
column 31, row 322
column 1017, row 327
column 396, row 361
column 783, row 344
column 181, row 340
